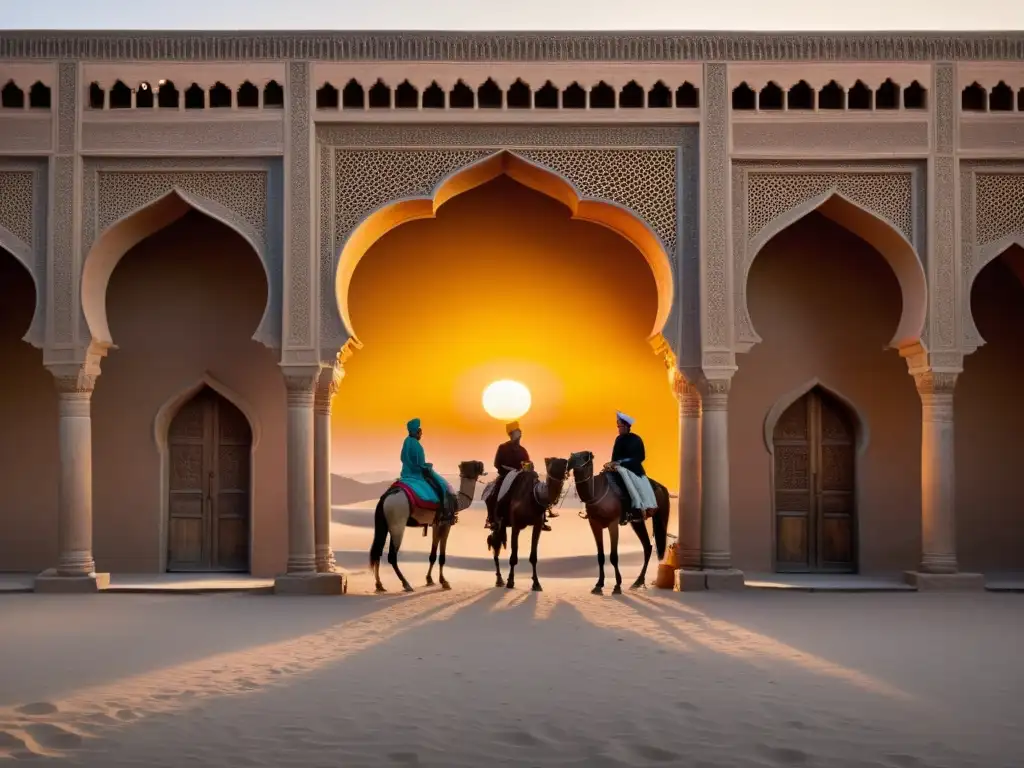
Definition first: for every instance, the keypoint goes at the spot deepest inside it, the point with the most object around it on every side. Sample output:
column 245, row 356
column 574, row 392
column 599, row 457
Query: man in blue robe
column 420, row 476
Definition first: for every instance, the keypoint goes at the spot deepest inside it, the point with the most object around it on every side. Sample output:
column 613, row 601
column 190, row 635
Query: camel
column 392, row 516
column 603, row 506
column 528, row 499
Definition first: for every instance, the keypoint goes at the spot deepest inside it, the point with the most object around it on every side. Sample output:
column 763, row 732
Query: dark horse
column 528, row 500
column 604, row 510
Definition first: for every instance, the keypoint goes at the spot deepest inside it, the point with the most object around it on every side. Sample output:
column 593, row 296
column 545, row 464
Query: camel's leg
column 613, row 536
column 537, row 528
column 445, row 530
column 497, row 532
column 433, row 554
column 598, row 531
column 396, row 545
column 514, row 560
column 645, row 542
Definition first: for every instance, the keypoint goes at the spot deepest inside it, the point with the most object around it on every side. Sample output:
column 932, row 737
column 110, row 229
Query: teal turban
column 412, row 425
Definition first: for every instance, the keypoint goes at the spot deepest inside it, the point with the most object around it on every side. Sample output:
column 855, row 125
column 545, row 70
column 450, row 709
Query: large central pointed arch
column 119, row 238
column 611, row 215
column 892, row 244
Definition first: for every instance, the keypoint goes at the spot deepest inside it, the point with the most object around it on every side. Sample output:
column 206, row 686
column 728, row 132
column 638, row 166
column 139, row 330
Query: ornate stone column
column 326, row 386
column 689, row 473
column 76, row 569
column 716, row 551
column 938, row 567
column 302, row 576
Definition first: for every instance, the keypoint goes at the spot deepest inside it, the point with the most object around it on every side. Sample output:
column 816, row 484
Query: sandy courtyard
column 479, row 676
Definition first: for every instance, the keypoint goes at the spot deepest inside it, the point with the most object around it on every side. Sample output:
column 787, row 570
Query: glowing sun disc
column 506, row 399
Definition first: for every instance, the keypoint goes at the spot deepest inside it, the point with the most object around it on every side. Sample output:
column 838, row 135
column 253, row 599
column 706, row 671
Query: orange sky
column 502, row 285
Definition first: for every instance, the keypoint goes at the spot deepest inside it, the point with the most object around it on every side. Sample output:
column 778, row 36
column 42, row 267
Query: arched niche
column 161, row 432
column 986, row 256
column 894, row 247
column 22, row 253
column 605, row 213
column 130, row 230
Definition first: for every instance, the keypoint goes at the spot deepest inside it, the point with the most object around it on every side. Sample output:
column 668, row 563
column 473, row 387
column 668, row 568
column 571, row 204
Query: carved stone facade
column 673, row 157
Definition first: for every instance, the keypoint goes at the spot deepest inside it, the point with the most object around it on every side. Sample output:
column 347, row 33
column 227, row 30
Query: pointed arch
column 784, row 402
column 885, row 238
column 161, row 428
column 22, row 253
column 984, row 257
column 608, row 214
column 134, row 227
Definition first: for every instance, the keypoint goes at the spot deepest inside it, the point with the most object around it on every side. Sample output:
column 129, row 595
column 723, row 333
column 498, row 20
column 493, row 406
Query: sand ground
column 479, row 676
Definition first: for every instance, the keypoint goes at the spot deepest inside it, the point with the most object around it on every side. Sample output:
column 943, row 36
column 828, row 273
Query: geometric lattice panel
column 889, row 195
column 242, row 192
column 999, row 205
column 16, row 198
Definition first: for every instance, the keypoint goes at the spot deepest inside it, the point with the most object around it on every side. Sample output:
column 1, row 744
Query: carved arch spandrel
column 360, row 173
column 992, row 221
column 237, row 194
column 23, row 231
column 772, row 201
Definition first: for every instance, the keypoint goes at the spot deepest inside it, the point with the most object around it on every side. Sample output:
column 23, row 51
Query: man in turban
column 420, row 476
column 509, row 461
column 628, row 457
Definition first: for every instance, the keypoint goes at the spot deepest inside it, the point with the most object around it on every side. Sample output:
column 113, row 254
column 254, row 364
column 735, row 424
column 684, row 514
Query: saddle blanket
column 506, row 483
column 414, row 500
column 641, row 494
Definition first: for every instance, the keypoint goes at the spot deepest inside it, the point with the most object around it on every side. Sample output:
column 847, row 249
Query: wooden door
column 815, row 510
column 209, row 445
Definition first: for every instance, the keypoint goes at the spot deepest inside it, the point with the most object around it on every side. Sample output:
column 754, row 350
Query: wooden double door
column 815, row 500
column 210, row 445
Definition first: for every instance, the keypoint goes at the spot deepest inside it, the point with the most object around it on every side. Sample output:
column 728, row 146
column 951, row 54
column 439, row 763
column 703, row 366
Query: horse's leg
column 613, row 536
column 514, row 560
column 433, row 554
column 645, row 541
column 396, row 545
column 537, row 528
column 598, row 531
column 444, row 546
column 497, row 534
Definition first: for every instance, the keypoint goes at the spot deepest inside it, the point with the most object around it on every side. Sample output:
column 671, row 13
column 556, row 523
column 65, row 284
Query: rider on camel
column 628, row 455
column 420, row 476
column 511, row 457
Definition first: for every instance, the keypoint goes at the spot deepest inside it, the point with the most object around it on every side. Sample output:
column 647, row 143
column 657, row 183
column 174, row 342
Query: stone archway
column 608, row 214
column 123, row 234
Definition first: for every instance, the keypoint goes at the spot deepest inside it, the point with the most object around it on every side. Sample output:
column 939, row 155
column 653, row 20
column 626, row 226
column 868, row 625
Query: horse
column 528, row 500
column 395, row 512
column 603, row 506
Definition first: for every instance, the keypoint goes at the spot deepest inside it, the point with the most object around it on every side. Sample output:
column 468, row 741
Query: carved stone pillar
column 938, row 567
column 302, row 576
column 76, row 569
column 716, row 551
column 327, row 385
column 689, row 473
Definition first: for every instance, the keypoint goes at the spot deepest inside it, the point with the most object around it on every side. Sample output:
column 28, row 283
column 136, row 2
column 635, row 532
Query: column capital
column 714, row 393
column 935, row 383
column 300, row 383
column 327, row 384
column 687, row 394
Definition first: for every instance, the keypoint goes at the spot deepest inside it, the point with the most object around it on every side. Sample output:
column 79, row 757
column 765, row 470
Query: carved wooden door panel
column 209, row 444
column 815, row 512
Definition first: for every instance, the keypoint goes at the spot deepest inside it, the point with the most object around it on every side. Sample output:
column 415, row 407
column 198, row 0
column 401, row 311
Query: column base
column 688, row 580
column 49, row 582
column 945, row 582
column 311, row 584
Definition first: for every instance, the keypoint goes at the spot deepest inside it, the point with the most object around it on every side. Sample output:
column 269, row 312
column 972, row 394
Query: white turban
column 623, row 417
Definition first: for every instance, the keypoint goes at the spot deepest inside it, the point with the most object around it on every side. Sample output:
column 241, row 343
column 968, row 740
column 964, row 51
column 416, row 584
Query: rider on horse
column 511, row 457
column 628, row 459
column 420, row 476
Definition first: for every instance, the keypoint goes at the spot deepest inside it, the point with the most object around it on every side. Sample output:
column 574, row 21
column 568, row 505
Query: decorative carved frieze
column 25, row 133
column 716, row 284
column 298, row 330
column 835, row 137
column 517, row 46
column 220, row 137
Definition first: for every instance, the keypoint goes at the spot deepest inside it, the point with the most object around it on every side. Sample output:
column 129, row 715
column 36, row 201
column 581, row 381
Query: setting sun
column 506, row 399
